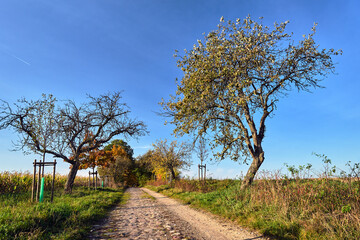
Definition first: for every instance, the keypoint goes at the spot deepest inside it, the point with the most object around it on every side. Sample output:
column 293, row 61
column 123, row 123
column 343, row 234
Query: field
column 322, row 208
column 68, row 217
column 18, row 182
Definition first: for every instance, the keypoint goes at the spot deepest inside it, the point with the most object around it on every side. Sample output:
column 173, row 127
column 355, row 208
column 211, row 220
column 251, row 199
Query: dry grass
column 299, row 208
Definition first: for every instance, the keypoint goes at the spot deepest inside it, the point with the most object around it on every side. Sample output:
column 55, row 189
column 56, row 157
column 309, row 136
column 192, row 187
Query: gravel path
column 145, row 218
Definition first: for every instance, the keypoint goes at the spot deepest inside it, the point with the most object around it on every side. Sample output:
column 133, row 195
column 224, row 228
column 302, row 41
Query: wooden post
column 43, row 166
column 202, row 172
column 96, row 180
column 199, row 171
column 93, row 179
column 33, row 183
column 205, row 173
column 89, row 180
column 38, row 185
column 53, row 183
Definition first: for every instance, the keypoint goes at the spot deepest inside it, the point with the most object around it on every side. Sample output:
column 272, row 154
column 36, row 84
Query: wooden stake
column 53, row 183
column 96, row 180
column 38, row 185
column 33, row 183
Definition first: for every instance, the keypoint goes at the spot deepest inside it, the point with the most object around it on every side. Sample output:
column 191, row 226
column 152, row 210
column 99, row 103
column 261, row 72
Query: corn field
column 14, row 182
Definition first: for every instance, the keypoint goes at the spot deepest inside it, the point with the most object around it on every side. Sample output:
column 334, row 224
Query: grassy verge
column 68, row 217
column 286, row 209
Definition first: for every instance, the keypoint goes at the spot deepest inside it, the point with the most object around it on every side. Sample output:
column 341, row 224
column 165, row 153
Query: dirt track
column 164, row 218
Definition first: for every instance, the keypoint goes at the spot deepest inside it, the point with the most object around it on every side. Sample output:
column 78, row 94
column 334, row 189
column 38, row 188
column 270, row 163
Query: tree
column 41, row 114
column 171, row 157
column 144, row 169
column 201, row 149
column 101, row 157
column 44, row 122
column 233, row 80
column 122, row 164
column 104, row 117
column 117, row 142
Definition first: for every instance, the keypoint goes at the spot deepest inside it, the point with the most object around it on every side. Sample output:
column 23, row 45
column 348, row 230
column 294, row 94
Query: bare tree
column 78, row 129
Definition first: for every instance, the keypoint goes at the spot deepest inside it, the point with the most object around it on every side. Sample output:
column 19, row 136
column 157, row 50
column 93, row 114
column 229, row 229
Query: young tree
column 234, row 79
column 201, row 149
column 104, row 117
column 171, row 157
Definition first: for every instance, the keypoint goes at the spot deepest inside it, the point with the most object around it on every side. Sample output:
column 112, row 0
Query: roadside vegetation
column 68, row 217
column 291, row 206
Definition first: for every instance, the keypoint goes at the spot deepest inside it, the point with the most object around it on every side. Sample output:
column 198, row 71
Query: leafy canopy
column 236, row 76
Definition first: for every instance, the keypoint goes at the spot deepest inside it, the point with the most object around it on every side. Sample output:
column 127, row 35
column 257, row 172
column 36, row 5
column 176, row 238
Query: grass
column 280, row 207
column 68, row 217
column 146, row 195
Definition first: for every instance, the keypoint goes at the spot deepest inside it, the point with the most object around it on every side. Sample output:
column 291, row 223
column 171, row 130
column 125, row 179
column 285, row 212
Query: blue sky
column 71, row 48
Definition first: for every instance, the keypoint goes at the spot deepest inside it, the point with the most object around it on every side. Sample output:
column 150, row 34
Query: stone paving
column 143, row 218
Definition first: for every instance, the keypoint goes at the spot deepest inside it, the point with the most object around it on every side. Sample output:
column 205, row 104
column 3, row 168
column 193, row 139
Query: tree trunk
column 258, row 159
column 71, row 177
column 172, row 171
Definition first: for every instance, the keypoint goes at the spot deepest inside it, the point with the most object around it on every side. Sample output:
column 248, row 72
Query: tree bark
column 172, row 174
column 71, row 177
column 258, row 159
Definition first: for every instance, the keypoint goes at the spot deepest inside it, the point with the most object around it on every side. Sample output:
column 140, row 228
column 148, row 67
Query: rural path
column 160, row 217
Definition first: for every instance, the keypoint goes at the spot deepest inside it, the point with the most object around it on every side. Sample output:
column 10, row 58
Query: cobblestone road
column 143, row 218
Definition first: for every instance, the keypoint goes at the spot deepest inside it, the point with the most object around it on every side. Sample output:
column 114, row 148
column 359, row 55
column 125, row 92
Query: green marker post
column 42, row 189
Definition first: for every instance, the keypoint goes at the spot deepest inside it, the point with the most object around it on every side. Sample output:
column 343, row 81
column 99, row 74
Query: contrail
column 5, row 49
column 22, row 60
